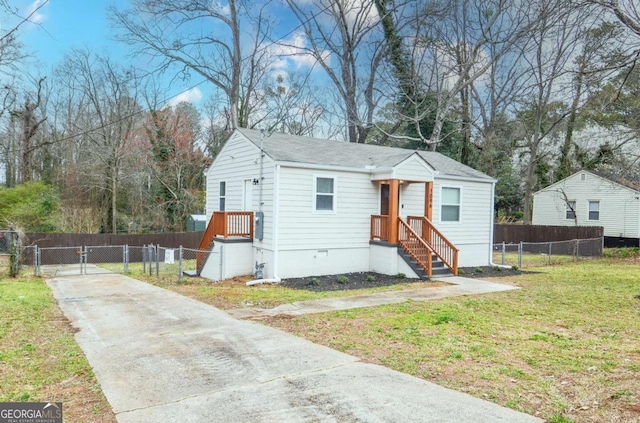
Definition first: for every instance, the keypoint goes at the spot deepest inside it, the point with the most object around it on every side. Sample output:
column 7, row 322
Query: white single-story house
column 590, row 198
column 310, row 207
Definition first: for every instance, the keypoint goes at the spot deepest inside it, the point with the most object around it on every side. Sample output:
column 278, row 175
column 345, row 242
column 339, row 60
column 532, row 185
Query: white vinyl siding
column 594, row 210
column 475, row 213
column 301, row 227
column 618, row 209
column 450, row 203
column 238, row 161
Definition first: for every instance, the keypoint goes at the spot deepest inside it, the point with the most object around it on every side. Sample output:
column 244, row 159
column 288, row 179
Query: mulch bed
column 348, row 281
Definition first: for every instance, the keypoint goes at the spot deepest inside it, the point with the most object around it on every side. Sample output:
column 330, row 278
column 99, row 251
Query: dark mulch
column 353, row 281
column 372, row 279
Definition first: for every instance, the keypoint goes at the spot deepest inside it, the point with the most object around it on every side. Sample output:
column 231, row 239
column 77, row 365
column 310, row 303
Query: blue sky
column 61, row 25
column 64, row 24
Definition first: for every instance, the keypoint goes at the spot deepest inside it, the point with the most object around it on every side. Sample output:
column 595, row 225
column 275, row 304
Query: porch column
column 428, row 200
column 428, row 210
column 393, row 210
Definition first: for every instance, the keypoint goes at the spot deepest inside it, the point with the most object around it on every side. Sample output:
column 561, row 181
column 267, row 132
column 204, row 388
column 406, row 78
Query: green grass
column 39, row 359
column 234, row 293
column 566, row 347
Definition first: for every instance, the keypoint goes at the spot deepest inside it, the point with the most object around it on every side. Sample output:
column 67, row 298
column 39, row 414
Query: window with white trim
column 325, row 194
column 594, row 210
column 570, row 210
column 450, row 205
column 223, row 195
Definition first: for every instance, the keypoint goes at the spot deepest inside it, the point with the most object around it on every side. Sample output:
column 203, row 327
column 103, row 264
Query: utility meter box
column 258, row 227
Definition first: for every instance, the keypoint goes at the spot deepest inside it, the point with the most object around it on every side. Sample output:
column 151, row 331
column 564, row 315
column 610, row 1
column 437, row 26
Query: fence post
column 520, row 255
column 151, row 259
column 125, row 258
column 577, row 249
column 157, row 260
column 35, row 262
column 504, row 252
column 144, row 259
column 180, row 264
column 549, row 258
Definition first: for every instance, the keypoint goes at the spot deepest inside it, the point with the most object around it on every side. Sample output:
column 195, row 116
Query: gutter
column 276, row 213
column 493, row 213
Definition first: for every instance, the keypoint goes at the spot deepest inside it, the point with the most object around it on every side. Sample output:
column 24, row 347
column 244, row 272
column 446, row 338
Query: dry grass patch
column 39, row 359
column 566, row 347
column 234, row 293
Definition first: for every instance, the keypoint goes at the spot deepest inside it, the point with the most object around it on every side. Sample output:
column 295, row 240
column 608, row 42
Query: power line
column 167, row 99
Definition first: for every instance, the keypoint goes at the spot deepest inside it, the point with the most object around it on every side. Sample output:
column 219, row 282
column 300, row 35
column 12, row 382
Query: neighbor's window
column 571, row 210
column 223, row 195
column 594, row 210
column 325, row 195
column 450, row 211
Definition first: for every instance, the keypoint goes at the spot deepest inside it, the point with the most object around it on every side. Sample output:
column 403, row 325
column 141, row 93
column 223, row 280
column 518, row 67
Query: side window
column 324, row 194
column 594, row 210
column 450, row 205
column 223, row 195
column 571, row 210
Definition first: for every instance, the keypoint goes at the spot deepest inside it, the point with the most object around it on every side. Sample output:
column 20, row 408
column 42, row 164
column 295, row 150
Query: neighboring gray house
column 328, row 207
column 591, row 199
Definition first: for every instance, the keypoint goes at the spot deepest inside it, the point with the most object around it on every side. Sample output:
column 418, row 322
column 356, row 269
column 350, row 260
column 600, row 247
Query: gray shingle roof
column 627, row 181
column 292, row 148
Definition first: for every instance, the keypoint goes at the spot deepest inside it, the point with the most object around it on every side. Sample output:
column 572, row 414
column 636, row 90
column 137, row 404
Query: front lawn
column 565, row 348
column 39, row 359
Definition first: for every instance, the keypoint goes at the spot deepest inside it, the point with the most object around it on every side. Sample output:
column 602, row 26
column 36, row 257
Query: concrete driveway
column 160, row 356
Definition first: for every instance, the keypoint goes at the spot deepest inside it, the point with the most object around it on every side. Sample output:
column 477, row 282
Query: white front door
column 247, row 199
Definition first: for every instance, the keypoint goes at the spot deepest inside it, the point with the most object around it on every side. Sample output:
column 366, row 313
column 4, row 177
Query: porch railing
column 225, row 224
column 415, row 246
column 380, row 227
column 441, row 246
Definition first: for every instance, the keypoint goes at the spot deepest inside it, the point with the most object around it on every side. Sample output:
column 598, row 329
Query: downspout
column 493, row 216
column 276, row 212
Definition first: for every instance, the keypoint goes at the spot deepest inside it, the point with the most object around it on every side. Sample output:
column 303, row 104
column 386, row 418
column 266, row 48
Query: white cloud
column 292, row 52
column 194, row 95
column 38, row 16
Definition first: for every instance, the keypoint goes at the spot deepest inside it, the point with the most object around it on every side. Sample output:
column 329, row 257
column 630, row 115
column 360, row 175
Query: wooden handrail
column 225, row 224
column 415, row 246
column 380, row 227
column 440, row 244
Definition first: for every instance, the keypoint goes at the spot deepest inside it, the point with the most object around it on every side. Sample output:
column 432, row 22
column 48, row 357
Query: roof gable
column 626, row 183
column 362, row 157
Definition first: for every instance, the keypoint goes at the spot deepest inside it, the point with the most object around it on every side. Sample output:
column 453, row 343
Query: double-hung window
column 594, row 210
column 450, row 205
column 223, row 195
column 325, row 194
column 570, row 210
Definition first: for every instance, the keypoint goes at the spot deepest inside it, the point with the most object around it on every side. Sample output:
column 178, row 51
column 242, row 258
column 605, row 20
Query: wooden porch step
column 437, row 267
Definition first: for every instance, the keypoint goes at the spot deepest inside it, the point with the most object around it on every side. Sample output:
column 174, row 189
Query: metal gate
column 82, row 260
column 103, row 259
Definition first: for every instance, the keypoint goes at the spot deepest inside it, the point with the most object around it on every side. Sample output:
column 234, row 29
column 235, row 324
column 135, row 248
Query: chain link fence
column 531, row 254
column 173, row 264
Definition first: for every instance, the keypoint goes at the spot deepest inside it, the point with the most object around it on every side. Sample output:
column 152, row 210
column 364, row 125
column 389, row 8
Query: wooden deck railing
column 413, row 244
column 380, row 227
column 441, row 246
column 225, row 224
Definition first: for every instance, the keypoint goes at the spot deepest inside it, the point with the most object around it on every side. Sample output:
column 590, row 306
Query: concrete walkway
column 458, row 286
column 160, row 356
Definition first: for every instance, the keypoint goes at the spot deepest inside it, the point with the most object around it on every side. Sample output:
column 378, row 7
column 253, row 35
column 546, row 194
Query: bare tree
column 344, row 39
column 231, row 56
column 439, row 50
column 105, row 125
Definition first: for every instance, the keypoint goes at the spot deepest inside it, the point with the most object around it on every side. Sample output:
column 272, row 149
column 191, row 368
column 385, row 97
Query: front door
column 384, row 199
column 247, row 199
